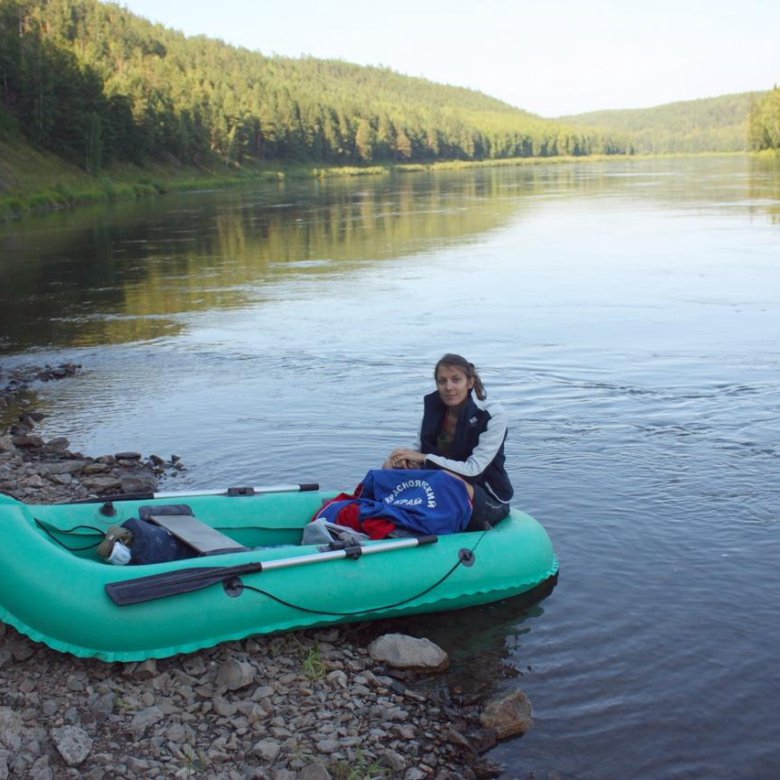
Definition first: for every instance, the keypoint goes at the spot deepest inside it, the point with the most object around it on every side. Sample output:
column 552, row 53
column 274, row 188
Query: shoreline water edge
column 350, row 702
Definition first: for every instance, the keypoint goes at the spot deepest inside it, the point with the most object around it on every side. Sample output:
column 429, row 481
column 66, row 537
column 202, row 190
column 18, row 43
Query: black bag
column 152, row 543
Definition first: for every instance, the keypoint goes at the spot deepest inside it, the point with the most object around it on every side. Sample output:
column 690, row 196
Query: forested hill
column 718, row 124
column 97, row 84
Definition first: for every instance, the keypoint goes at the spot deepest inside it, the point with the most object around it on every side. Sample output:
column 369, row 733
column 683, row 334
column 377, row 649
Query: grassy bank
column 33, row 182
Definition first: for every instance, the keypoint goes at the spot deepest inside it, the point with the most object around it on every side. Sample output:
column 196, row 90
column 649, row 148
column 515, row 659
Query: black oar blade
column 158, row 586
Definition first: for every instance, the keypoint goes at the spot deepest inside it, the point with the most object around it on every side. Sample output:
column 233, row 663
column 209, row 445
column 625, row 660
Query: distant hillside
column 96, row 84
column 718, row 124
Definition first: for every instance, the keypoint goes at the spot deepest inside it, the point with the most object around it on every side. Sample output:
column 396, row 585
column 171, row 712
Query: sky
column 550, row 57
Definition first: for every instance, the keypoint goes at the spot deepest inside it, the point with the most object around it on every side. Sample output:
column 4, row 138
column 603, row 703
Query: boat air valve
column 108, row 509
column 466, row 556
column 233, row 587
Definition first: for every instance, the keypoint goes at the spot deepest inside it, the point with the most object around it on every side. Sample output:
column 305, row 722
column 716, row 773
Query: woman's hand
column 404, row 458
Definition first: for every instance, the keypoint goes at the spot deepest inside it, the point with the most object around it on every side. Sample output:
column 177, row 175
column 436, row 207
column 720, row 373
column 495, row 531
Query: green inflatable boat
column 251, row 574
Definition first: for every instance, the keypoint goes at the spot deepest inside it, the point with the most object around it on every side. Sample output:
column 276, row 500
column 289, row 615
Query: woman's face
column 453, row 385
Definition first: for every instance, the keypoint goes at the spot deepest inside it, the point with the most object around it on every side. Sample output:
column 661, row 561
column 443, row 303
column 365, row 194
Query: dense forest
column 96, row 84
column 718, row 124
column 764, row 122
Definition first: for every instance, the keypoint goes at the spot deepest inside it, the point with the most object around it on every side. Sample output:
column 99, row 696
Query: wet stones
column 50, row 471
column 509, row 715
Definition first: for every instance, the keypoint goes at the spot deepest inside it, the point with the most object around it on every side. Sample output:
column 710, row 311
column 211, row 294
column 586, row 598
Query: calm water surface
column 627, row 315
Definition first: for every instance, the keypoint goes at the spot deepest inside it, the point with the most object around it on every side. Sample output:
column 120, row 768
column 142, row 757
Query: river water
column 626, row 314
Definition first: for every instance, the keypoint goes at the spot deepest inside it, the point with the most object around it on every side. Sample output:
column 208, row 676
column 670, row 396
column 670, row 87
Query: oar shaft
column 354, row 551
column 233, row 491
column 187, row 580
column 241, row 491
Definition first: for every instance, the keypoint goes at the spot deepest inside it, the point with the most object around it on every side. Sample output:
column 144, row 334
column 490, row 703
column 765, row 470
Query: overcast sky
column 552, row 58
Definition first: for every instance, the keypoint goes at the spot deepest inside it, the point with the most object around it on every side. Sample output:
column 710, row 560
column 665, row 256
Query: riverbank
column 313, row 704
column 33, row 182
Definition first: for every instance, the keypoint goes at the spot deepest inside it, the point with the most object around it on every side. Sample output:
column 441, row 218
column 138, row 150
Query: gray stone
column 103, row 704
column 96, row 468
column 146, row 670
column 267, row 749
column 62, row 467
column 144, row 719
column 40, row 770
column 509, row 715
column 263, row 692
column 314, row 771
column 234, row 675
column 72, row 743
column 27, row 442
column 137, row 480
column 223, row 707
column 338, row 678
column 21, row 648
column 10, row 728
column 395, row 761
column 407, row 652
column 6, row 657
column 60, row 444
column 103, row 484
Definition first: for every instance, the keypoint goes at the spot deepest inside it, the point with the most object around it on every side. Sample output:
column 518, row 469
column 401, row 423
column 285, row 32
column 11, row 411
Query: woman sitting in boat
column 464, row 436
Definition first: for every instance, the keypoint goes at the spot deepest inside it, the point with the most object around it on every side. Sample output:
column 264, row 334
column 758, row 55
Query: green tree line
column 97, row 84
column 764, row 125
column 718, row 124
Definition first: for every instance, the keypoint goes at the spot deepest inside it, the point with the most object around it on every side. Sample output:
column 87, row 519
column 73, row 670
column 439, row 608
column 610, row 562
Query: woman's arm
column 406, row 457
column 488, row 446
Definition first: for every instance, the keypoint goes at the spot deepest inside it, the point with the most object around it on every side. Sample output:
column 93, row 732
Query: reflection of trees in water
column 121, row 273
column 118, row 274
column 765, row 187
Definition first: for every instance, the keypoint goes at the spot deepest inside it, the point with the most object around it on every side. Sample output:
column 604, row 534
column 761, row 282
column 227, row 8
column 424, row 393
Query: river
column 627, row 316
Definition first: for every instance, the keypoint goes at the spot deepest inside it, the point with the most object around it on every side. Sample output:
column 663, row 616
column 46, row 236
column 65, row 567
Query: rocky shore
column 350, row 702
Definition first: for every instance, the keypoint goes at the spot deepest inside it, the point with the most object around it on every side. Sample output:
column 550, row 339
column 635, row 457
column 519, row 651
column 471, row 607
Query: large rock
column 408, row 652
column 234, row 675
column 102, row 484
column 11, row 727
column 72, row 743
column 509, row 715
column 27, row 441
column 138, row 480
column 62, row 467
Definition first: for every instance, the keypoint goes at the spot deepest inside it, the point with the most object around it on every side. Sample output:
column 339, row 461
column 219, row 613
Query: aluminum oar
column 157, row 586
column 232, row 491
